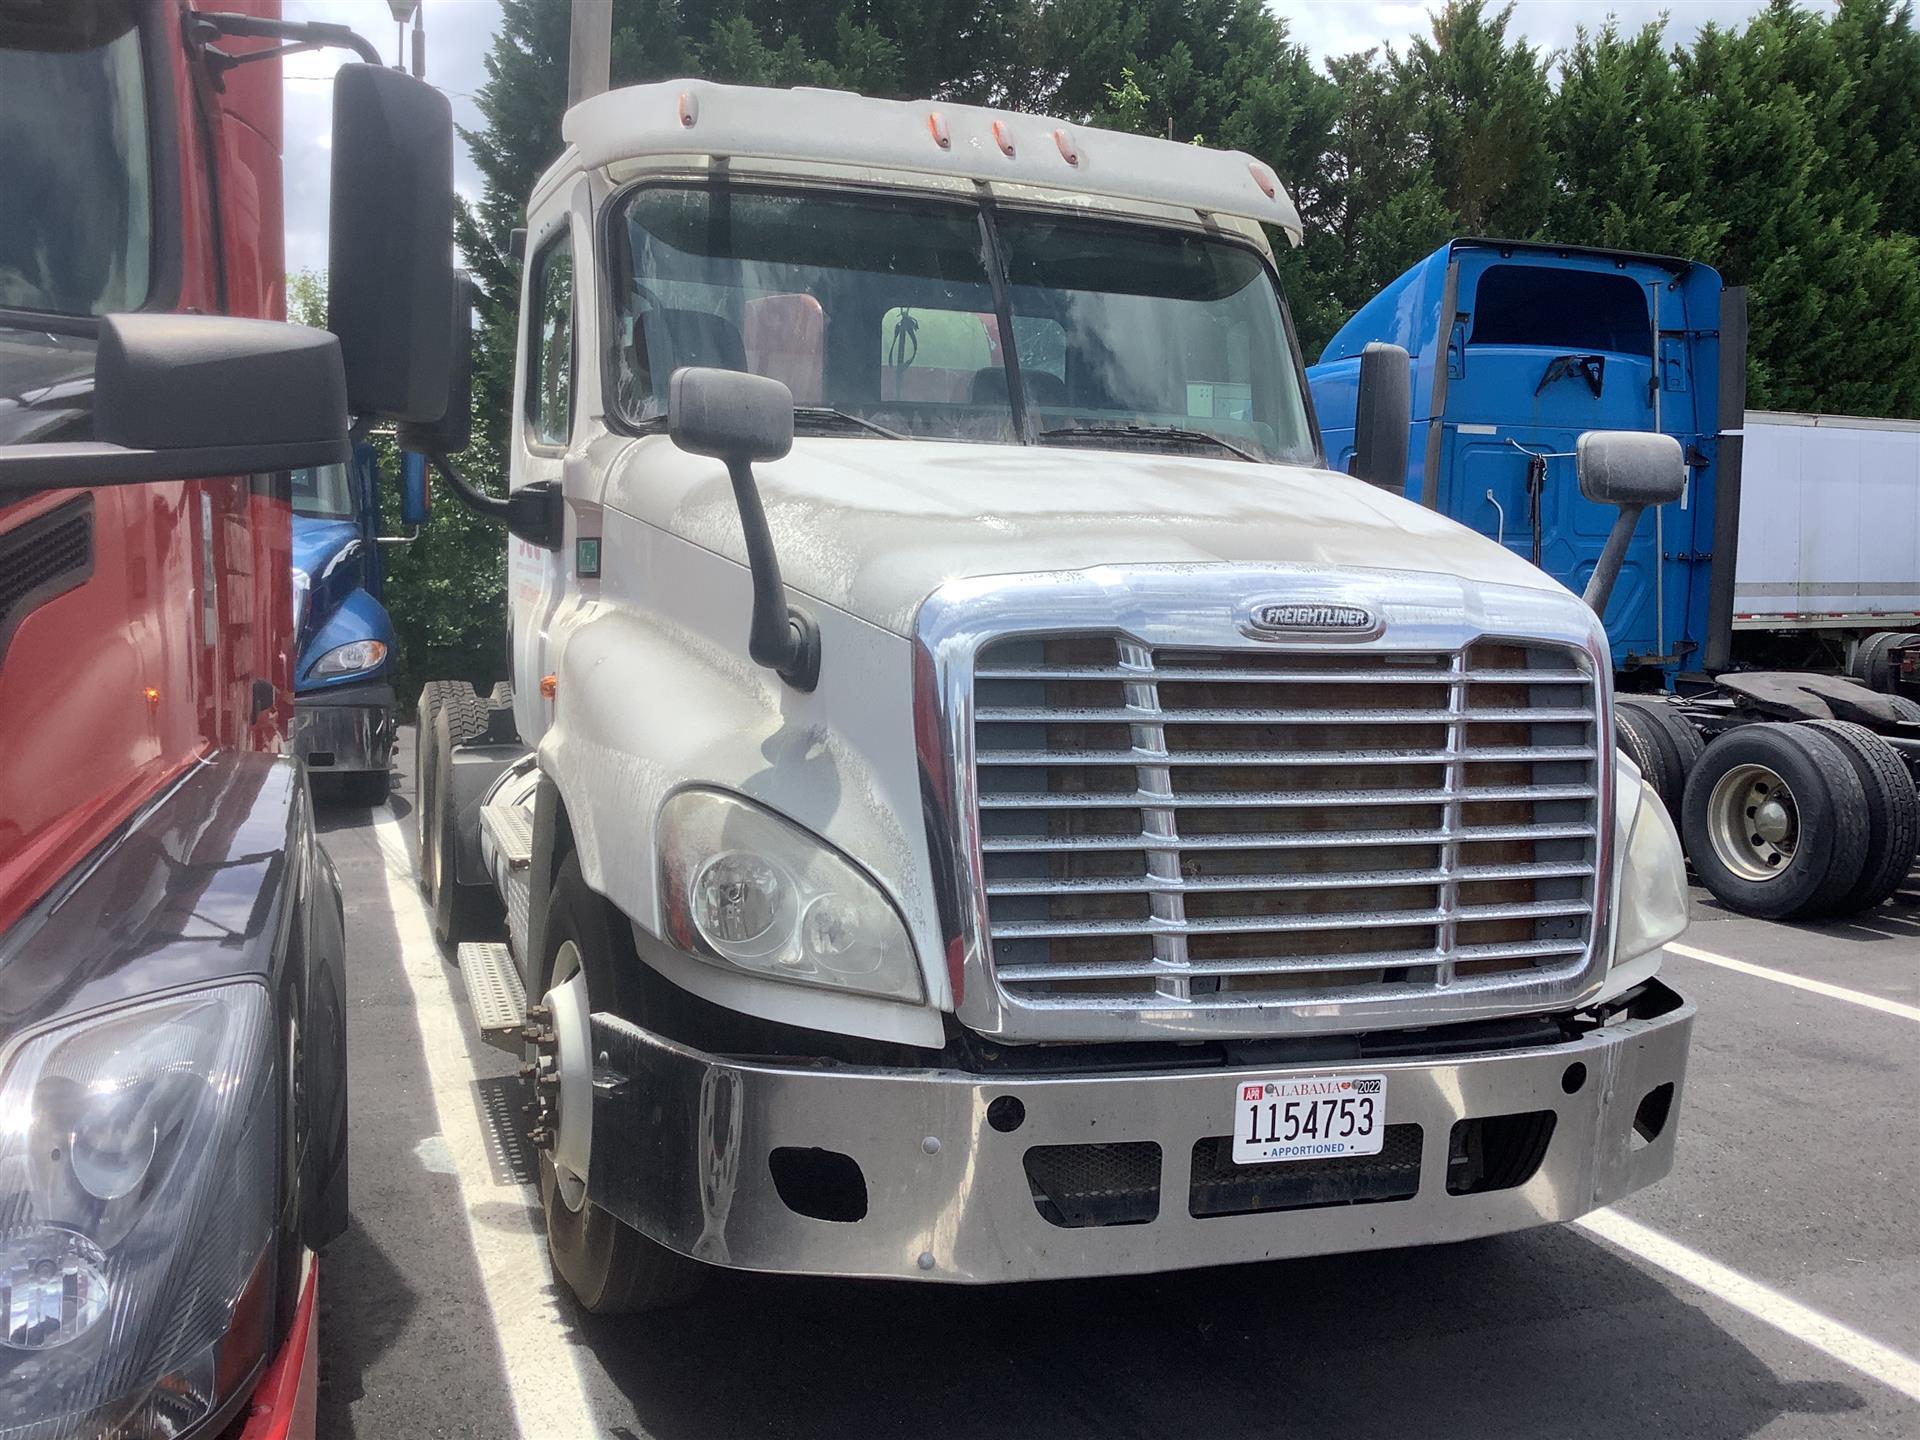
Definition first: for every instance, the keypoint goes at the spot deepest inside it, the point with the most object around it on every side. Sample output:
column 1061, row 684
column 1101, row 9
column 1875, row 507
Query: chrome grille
column 1163, row 826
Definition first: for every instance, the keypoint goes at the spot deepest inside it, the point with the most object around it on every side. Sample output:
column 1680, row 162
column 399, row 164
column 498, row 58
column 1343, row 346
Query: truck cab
column 343, row 697
column 1517, row 350
column 991, row 802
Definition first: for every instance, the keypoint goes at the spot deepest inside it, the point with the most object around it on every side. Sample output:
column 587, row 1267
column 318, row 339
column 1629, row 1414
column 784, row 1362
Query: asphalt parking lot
column 1769, row 1287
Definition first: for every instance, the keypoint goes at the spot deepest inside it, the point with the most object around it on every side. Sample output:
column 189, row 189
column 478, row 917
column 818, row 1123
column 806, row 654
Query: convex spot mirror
column 729, row 414
column 1630, row 467
column 180, row 397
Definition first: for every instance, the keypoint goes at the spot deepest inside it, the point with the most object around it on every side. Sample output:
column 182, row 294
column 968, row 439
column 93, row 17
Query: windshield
column 77, row 219
column 889, row 309
column 322, row 493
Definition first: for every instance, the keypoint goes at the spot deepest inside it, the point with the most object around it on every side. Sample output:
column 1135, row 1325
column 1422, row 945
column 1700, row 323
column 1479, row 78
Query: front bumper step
column 494, row 990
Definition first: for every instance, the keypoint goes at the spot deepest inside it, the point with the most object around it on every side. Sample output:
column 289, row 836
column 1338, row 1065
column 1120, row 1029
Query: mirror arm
column 535, row 513
column 1613, row 555
column 406, row 539
column 208, row 26
column 783, row 638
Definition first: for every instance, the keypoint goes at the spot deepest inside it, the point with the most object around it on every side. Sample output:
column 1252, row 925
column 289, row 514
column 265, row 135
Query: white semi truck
column 978, row 799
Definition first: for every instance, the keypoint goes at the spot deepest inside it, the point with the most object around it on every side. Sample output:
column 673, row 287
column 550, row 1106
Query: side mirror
column 390, row 242
column 1632, row 469
column 740, row 418
column 729, row 414
column 181, row 397
column 415, row 498
column 1383, row 413
column 452, row 432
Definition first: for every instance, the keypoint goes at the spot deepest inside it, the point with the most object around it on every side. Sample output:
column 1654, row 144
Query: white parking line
column 1801, row 982
column 542, row 1368
column 1805, row 1324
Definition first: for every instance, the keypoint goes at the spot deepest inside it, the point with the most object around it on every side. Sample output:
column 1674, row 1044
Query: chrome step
column 493, row 989
column 511, row 827
column 514, row 888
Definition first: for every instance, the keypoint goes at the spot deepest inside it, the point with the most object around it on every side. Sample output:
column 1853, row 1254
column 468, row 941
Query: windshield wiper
column 1152, row 432
column 827, row 415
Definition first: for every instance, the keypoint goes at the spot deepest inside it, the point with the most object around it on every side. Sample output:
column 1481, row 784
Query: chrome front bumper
column 345, row 730
column 682, row 1146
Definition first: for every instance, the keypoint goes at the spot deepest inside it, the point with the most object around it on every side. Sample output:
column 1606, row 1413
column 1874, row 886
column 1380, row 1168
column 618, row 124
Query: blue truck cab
column 343, row 716
column 1516, row 350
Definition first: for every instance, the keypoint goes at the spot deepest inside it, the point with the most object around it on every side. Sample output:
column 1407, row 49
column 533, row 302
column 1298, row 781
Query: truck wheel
column 1893, row 812
column 1906, row 709
column 467, row 717
column 1665, row 729
column 1775, row 822
column 610, row 1266
column 1871, row 661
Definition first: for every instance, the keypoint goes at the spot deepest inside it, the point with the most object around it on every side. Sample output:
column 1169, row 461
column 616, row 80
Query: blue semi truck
column 343, row 710
column 1516, row 351
column 1792, row 785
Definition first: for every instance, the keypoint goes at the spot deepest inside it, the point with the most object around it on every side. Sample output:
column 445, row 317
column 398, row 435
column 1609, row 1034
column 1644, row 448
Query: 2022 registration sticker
column 1314, row 1117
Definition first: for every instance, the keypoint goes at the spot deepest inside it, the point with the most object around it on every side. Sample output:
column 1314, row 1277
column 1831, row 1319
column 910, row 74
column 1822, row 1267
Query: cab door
column 545, row 412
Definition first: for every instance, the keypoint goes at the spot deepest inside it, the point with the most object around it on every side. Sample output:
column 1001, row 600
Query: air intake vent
column 44, row 557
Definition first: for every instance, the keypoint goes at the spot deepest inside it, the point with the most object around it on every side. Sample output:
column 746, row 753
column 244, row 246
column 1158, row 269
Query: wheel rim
column 1754, row 822
column 572, row 1102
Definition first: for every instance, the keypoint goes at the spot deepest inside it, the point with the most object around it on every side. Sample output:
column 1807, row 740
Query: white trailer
column 1829, row 524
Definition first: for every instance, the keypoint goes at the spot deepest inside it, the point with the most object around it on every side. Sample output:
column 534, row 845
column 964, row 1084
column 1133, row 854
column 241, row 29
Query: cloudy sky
column 459, row 31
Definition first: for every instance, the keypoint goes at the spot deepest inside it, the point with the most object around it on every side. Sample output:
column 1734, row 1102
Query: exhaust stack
column 589, row 50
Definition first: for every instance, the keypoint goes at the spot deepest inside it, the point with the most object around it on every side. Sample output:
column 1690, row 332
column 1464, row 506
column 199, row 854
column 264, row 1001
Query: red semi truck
column 172, row 1062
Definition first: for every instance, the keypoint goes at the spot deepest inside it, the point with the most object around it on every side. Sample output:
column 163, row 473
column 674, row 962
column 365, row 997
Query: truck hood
column 875, row 526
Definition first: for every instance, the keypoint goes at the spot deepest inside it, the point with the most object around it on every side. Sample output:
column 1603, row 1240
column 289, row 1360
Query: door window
column 550, row 346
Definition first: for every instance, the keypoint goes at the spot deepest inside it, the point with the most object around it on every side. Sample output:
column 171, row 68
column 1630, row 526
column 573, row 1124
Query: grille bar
column 1124, row 715
column 1309, row 880
column 1217, row 759
column 1294, row 965
column 1221, row 827
column 1267, row 799
column 1307, row 840
column 1283, row 924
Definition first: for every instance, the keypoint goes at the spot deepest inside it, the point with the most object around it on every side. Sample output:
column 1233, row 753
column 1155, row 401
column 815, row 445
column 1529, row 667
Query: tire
column 1802, row 859
column 1871, row 662
column 610, row 1267
column 1672, row 734
column 1632, row 732
column 460, row 912
column 1906, row 709
column 467, row 718
column 1893, row 812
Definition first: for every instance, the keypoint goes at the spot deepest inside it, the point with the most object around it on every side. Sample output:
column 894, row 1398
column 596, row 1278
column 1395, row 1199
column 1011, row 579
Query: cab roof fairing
column 832, row 127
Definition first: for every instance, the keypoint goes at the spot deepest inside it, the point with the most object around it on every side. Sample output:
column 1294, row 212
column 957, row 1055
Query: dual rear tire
column 1801, row 821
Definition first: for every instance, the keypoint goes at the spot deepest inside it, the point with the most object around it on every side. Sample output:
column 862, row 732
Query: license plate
column 1314, row 1117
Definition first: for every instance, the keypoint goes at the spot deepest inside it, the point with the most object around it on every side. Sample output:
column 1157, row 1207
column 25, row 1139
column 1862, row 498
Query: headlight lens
column 1652, row 906
column 137, row 1178
column 747, row 890
column 350, row 659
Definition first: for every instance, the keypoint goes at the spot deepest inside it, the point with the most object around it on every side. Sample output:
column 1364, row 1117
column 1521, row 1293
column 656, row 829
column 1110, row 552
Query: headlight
column 350, row 659
column 137, row 1180
column 1652, row 888
column 747, row 890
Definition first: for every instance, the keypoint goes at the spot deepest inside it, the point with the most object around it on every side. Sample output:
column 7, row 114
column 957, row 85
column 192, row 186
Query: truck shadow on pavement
column 1547, row 1334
